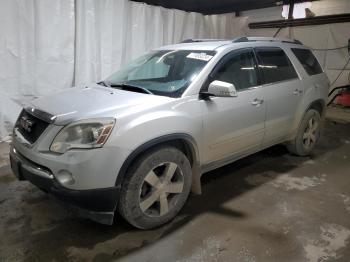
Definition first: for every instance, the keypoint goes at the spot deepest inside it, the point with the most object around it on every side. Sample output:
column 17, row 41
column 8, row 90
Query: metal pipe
column 318, row 20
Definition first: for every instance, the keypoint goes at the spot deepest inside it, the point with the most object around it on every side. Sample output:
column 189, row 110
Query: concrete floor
column 268, row 207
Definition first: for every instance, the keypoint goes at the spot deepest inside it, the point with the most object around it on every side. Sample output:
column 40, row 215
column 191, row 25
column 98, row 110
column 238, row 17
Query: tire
column 308, row 134
column 155, row 188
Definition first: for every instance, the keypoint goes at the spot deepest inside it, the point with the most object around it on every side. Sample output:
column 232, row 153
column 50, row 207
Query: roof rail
column 240, row 39
column 267, row 39
column 201, row 40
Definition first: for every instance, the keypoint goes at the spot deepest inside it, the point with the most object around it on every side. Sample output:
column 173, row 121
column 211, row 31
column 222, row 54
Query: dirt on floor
column 270, row 206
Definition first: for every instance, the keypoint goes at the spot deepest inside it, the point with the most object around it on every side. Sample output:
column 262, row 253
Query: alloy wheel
column 160, row 189
column 311, row 135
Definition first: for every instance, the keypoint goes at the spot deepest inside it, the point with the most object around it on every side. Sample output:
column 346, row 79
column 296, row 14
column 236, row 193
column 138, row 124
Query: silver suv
column 138, row 142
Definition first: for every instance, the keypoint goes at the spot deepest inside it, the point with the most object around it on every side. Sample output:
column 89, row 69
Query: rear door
column 282, row 90
column 234, row 125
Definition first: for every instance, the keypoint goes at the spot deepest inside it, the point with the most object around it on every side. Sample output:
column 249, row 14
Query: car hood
column 93, row 101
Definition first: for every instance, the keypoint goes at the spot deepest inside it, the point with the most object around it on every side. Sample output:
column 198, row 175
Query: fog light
column 65, row 177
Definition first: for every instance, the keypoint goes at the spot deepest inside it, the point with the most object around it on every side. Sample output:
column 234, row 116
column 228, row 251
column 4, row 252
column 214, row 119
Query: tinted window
column 239, row 70
column 275, row 65
column 308, row 61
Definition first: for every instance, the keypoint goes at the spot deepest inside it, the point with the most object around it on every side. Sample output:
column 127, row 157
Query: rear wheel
column 155, row 188
column 307, row 135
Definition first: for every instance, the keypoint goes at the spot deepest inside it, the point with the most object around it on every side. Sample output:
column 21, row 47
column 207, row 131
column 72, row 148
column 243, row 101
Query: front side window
column 167, row 72
column 239, row 70
column 275, row 65
column 308, row 61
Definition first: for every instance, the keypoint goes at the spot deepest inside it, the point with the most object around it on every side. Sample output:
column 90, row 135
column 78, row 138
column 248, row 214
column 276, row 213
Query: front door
column 234, row 126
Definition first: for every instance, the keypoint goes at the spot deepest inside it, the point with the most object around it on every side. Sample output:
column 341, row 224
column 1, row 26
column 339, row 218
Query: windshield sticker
column 200, row 56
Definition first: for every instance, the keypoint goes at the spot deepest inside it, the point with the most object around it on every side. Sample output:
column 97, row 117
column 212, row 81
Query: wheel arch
column 318, row 105
column 182, row 141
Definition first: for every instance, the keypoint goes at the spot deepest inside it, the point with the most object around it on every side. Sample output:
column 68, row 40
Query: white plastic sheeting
column 36, row 52
column 37, row 43
column 111, row 32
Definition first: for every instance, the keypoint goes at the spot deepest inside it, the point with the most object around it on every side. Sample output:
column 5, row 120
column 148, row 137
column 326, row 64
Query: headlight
column 91, row 133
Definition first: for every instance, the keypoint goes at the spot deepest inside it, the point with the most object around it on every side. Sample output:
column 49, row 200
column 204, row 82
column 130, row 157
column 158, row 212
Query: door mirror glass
column 222, row 89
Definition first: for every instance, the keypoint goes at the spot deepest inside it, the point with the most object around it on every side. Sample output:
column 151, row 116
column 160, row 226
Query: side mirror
column 222, row 89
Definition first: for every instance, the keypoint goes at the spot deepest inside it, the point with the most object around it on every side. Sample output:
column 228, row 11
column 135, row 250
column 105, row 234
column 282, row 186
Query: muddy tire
column 155, row 188
column 308, row 134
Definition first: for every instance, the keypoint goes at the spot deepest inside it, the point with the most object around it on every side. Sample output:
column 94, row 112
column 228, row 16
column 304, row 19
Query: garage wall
column 328, row 7
column 330, row 36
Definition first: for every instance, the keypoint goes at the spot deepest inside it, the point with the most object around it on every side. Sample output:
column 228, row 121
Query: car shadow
column 62, row 237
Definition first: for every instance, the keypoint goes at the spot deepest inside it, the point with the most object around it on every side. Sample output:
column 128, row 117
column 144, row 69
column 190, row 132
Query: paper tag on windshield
column 200, row 56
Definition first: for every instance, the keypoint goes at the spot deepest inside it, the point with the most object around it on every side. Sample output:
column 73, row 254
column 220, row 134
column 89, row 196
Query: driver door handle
column 257, row 102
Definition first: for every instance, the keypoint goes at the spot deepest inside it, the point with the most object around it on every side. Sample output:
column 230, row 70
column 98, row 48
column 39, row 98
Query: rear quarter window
column 275, row 65
column 308, row 61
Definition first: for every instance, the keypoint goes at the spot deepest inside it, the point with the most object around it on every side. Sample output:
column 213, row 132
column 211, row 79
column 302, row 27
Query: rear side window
column 308, row 61
column 275, row 65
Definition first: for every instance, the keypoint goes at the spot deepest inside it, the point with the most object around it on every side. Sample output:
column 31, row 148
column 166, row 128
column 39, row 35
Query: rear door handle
column 257, row 102
column 297, row 92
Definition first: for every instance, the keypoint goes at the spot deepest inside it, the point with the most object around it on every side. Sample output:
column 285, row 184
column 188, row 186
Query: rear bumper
column 96, row 204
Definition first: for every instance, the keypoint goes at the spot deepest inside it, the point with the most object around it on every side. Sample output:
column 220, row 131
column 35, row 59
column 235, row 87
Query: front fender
column 181, row 120
column 139, row 130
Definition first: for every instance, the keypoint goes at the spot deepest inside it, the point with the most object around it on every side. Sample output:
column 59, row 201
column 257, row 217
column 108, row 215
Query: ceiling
column 217, row 6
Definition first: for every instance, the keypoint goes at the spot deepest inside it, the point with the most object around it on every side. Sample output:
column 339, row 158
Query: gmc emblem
column 26, row 124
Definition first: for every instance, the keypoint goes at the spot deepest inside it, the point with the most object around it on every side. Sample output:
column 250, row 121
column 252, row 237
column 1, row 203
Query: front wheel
column 155, row 188
column 308, row 134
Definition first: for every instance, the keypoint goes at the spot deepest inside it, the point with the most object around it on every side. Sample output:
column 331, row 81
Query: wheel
column 308, row 134
column 155, row 188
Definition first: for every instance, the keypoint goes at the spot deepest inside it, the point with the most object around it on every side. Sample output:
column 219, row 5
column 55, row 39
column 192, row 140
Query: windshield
column 166, row 73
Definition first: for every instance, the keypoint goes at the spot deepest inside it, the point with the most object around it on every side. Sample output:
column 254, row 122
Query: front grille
column 30, row 126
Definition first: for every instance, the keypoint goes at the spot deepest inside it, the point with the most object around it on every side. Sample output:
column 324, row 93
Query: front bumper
column 96, row 204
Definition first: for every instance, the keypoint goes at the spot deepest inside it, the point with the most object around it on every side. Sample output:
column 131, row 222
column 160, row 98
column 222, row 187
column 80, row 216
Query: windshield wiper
column 104, row 83
column 128, row 87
